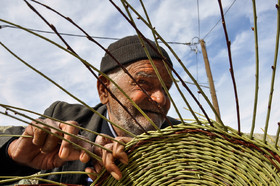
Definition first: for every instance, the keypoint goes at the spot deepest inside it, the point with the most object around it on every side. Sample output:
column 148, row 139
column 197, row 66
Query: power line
column 219, row 19
column 78, row 35
column 113, row 38
column 50, row 32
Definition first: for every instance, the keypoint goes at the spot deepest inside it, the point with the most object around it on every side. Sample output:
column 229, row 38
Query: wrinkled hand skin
column 46, row 151
column 108, row 158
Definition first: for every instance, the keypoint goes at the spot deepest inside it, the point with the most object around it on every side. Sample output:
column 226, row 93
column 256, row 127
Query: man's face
column 145, row 76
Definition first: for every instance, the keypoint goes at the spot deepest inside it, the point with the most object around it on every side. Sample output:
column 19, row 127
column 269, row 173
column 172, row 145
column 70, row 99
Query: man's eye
column 142, row 82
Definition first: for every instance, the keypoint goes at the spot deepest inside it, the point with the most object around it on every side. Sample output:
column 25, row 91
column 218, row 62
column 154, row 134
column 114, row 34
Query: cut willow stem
column 157, row 50
column 257, row 69
column 37, row 179
column 273, row 73
column 8, row 179
column 277, row 135
column 7, row 107
column 191, row 83
column 13, row 135
column 17, row 178
column 178, row 59
column 159, row 78
column 98, row 177
column 56, row 84
column 138, row 31
column 184, row 98
column 165, row 65
column 231, row 66
column 56, row 135
column 76, row 126
column 120, row 65
column 156, row 70
column 61, row 131
column 87, row 66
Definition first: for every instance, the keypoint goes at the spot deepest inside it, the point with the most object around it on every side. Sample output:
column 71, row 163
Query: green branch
column 257, row 69
column 273, row 73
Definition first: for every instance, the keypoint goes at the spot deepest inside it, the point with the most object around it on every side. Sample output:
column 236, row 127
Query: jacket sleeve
column 8, row 166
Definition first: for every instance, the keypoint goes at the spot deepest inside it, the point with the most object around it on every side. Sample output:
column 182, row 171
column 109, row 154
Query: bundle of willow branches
column 203, row 151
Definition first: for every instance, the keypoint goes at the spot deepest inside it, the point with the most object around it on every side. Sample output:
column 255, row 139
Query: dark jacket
column 64, row 112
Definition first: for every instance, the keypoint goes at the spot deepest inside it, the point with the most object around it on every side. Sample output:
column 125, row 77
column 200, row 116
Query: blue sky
column 175, row 20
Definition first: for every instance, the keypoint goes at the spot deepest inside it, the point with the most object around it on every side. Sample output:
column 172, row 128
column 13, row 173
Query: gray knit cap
column 128, row 50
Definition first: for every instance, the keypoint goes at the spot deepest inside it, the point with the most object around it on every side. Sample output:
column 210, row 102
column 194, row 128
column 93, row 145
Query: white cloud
column 176, row 20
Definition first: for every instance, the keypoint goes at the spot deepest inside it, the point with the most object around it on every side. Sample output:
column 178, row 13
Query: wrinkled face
column 144, row 74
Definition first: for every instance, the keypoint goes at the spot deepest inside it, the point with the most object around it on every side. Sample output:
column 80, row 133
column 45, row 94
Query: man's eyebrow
column 145, row 74
column 148, row 75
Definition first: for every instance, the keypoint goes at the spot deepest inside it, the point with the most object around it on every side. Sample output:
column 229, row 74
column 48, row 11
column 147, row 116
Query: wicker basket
column 198, row 154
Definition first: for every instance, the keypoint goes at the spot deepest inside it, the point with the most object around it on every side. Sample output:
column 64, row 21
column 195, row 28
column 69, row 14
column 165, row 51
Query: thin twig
column 120, row 65
column 154, row 67
column 16, row 178
column 166, row 66
column 56, row 135
column 273, row 72
column 54, row 119
column 277, row 135
column 257, row 69
column 87, row 66
column 182, row 65
column 231, row 66
column 59, row 86
column 183, row 83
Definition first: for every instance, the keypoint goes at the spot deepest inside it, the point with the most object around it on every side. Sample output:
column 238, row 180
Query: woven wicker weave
column 199, row 155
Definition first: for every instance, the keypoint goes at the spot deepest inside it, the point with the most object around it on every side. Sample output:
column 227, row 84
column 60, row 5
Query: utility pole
column 210, row 79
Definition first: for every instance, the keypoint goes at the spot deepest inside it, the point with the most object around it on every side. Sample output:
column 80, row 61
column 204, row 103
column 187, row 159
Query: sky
column 183, row 21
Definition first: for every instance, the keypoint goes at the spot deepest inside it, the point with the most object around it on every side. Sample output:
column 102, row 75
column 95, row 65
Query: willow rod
column 183, row 83
column 86, row 65
column 122, row 66
column 56, row 84
column 257, row 68
column 184, row 68
column 273, row 73
column 166, row 66
column 231, row 66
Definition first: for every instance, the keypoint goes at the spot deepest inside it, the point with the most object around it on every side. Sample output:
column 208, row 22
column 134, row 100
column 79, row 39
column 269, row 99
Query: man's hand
column 46, row 151
column 108, row 158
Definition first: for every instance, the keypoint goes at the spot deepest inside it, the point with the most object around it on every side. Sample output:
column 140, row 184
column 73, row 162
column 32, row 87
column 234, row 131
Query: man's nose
column 160, row 97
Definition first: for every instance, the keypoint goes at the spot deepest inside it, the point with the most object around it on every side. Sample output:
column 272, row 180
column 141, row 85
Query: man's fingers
column 66, row 147
column 39, row 135
column 100, row 140
column 124, row 139
column 109, row 164
column 91, row 173
column 118, row 149
column 108, row 158
column 84, row 157
column 119, row 153
column 43, row 134
column 52, row 141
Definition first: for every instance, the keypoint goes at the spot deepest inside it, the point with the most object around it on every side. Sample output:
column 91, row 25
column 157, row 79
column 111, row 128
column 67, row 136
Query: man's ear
column 102, row 91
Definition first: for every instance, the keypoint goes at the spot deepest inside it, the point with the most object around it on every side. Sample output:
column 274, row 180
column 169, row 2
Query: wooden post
column 210, row 79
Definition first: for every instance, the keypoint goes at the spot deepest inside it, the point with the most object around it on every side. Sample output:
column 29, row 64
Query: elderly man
column 45, row 152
